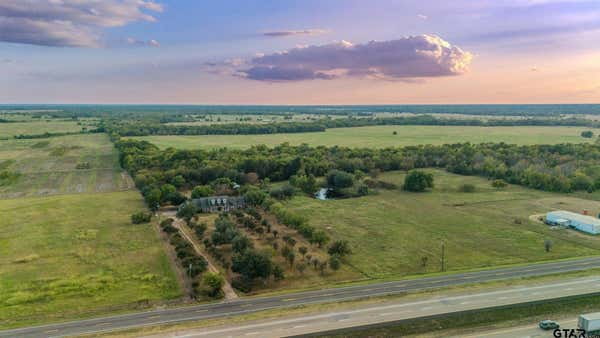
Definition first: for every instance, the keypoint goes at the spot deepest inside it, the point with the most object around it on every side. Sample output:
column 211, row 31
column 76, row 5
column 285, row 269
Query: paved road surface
column 526, row 331
column 248, row 305
column 399, row 310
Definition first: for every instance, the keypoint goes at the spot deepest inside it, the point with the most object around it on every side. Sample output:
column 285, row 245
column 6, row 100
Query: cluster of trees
column 193, row 264
column 148, row 127
column 141, row 217
column 159, row 174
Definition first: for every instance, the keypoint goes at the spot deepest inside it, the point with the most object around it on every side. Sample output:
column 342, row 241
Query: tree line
column 146, row 127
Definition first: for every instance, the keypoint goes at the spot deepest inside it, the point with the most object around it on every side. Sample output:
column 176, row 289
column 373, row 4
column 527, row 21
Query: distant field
column 382, row 136
column 250, row 118
column 392, row 231
column 76, row 255
column 49, row 166
column 8, row 130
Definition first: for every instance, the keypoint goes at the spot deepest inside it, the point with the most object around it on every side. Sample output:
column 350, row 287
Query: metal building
column 588, row 224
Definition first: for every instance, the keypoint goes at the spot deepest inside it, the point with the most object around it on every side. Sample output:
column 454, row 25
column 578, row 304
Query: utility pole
column 190, row 270
column 443, row 258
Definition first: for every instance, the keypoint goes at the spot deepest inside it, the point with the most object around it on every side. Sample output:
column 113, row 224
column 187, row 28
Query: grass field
column 382, row 136
column 8, row 130
column 392, row 231
column 49, row 166
column 75, row 255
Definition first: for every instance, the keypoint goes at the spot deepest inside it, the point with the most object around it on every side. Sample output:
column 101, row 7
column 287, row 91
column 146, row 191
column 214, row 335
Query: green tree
column 187, row 211
column 202, row 191
column 241, row 243
column 213, row 283
column 337, row 179
column 418, row 181
column 252, row 265
column 587, row 134
column 339, row 248
column 254, row 196
column 334, row 263
column 319, row 237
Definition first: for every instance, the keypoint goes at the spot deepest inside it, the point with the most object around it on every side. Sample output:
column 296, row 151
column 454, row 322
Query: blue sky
column 313, row 52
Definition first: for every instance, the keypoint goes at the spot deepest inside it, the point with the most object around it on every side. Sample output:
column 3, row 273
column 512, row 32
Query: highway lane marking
column 463, row 303
column 427, row 308
column 289, row 299
column 245, row 305
column 343, row 319
column 387, row 314
column 199, row 311
column 102, row 324
column 153, row 317
column 51, row 331
column 299, row 326
column 252, row 333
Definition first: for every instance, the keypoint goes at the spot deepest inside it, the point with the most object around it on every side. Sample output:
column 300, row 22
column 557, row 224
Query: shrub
column 466, row 188
column 587, row 134
column 202, row 191
column 418, row 181
column 141, row 217
column 499, row 184
column 283, row 192
column 337, row 179
column 339, row 248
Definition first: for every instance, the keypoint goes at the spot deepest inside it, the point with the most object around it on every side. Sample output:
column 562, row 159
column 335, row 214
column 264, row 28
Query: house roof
column 218, row 201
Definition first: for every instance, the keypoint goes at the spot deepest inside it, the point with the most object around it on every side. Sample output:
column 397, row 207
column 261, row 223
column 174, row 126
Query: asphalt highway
column 248, row 305
column 397, row 310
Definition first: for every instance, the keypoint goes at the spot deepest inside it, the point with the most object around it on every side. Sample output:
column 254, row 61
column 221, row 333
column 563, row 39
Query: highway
column 248, row 305
column 397, row 310
column 526, row 331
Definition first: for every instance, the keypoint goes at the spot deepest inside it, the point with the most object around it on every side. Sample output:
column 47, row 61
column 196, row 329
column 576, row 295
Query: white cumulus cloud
column 405, row 58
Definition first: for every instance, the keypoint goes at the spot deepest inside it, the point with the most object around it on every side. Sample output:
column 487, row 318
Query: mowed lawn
column 8, row 130
column 49, row 166
column 70, row 256
column 382, row 136
column 391, row 232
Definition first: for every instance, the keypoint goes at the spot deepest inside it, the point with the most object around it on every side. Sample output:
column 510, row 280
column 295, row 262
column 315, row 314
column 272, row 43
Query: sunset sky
column 299, row 52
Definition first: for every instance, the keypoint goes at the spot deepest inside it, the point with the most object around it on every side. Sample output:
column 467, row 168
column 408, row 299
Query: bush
column 418, row 181
column 202, row 191
column 499, row 184
column 212, row 285
column 587, row 134
column 339, row 248
column 141, row 217
column 466, row 188
column 283, row 192
column 337, row 179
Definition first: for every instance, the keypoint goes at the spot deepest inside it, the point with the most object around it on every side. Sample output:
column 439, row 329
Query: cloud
column 411, row 57
column 68, row 23
column 142, row 43
column 422, row 16
column 286, row 33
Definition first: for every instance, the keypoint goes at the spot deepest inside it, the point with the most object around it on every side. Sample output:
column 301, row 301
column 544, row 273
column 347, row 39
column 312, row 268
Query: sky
column 300, row 52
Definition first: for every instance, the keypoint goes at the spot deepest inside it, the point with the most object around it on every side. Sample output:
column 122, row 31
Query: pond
column 322, row 194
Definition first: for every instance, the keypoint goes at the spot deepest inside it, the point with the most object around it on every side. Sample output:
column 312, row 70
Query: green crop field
column 8, row 130
column 392, row 231
column 382, row 136
column 50, row 166
column 78, row 255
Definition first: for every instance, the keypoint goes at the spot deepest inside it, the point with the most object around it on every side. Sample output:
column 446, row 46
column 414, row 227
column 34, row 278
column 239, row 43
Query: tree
column 303, row 250
column 213, row 283
column 275, row 232
column 322, row 267
column 278, row 273
column 200, row 229
column 547, row 245
column 467, row 187
column 315, row 262
column 587, row 134
column 178, row 181
column 319, row 237
column 337, row 179
column 254, row 196
column 241, row 243
column 301, row 267
column 334, row 263
column 339, row 248
column 187, row 211
column 283, row 192
column 202, row 191
column 424, row 261
column 418, row 181
column 252, row 265
column 153, row 198
column 291, row 257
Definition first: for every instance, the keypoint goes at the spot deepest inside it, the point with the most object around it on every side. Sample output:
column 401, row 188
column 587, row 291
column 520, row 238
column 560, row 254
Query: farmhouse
column 584, row 223
column 219, row 203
